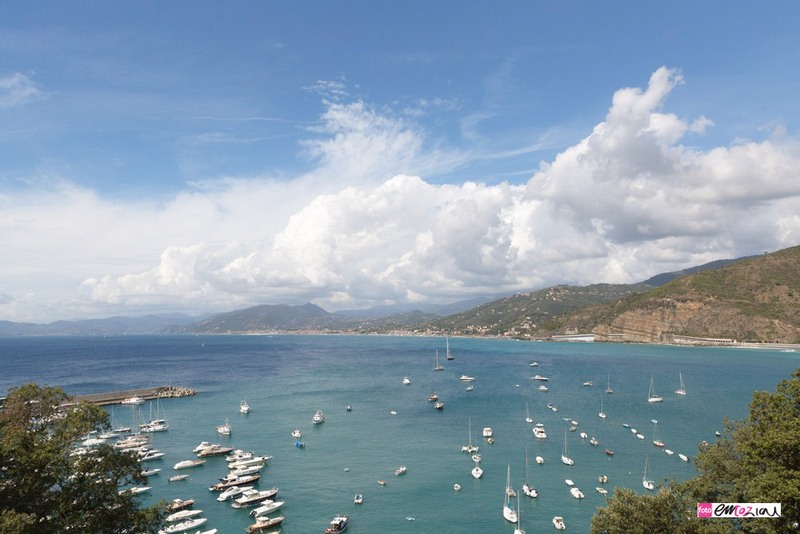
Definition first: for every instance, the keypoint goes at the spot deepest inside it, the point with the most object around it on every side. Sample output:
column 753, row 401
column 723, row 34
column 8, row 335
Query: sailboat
column 651, row 395
column 519, row 530
column 527, row 489
column 565, row 459
column 159, row 424
column 601, row 414
column 470, row 448
column 656, row 442
column 437, row 366
column 448, row 356
column 647, row 484
column 682, row 389
column 608, row 385
column 527, row 414
column 508, row 508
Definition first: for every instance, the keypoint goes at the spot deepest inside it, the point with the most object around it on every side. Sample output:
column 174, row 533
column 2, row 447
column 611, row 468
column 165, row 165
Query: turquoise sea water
column 286, row 378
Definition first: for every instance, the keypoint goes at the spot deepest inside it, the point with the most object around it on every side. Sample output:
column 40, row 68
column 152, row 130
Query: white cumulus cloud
column 366, row 227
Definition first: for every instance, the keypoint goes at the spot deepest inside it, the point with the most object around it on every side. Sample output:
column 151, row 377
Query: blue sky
column 200, row 157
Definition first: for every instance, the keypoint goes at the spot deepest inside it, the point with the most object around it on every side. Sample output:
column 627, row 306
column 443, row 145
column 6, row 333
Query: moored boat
column 318, row 417
column 185, row 464
column 244, row 407
column 183, row 526
column 338, row 524
column 264, row 524
column 182, row 515
column 558, row 523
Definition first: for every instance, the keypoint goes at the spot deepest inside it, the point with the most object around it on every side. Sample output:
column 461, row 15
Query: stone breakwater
column 116, row 397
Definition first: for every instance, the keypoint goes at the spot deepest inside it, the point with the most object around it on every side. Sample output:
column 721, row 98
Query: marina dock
column 116, row 397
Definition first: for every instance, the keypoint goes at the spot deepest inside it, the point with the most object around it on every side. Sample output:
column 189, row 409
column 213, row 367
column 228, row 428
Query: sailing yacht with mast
column 470, row 448
column 602, row 413
column 565, row 459
column 528, row 418
column 437, row 366
column 656, row 442
column 527, row 489
column 651, row 395
column 682, row 389
column 508, row 507
column 647, row 484
column 447, row 356
column 519, row 530
column 608, row 385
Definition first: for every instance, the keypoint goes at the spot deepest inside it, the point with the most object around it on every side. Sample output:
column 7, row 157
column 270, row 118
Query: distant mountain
column 755, row 299
column 661, row 279
column 405, row 308
column 522, row 315
column 97, row 327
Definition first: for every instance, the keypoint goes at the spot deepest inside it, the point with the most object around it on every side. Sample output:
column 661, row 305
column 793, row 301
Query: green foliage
column 757, row 460
column 46, row 488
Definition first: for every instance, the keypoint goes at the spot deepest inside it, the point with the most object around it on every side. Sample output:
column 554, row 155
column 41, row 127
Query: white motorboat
column 176, row 478
column 150, row 472
column 296, row 433
column 543, row 388
column 233, row 491
column 318, row 418
column 400, row 470
column 338, row 524
column 249, row 462
column 134, row 490
column 683, row 457
column 185, row 464
column 540, row 378
column 509, row 513
column 358, row 498
column 182, row 515
column 488, row 432
column 601, row 491
column 244, row 407
column 538, row 431
column 558, row 523
column 477, row 472
column 576, row 492
column 539, row 460
column 183, row 526
column 253, row 497
column 267, row 508
column 132, row 401
column 466, row 378
column 652, row 397
column 225, row 428
column 406, row 381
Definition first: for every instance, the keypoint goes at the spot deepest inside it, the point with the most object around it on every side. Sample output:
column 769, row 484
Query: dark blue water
column 286, row 378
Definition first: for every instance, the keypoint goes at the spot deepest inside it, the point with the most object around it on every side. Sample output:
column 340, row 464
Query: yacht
column 132, row 401
column 318, row 418
column 406, row 381
column 244, row 407
column 651, row 395
column 467, row 378
column 224, row 429
column 296, row 433
column 338, row 524
column 558, row 522
column 185, row 464
column 538, row 431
